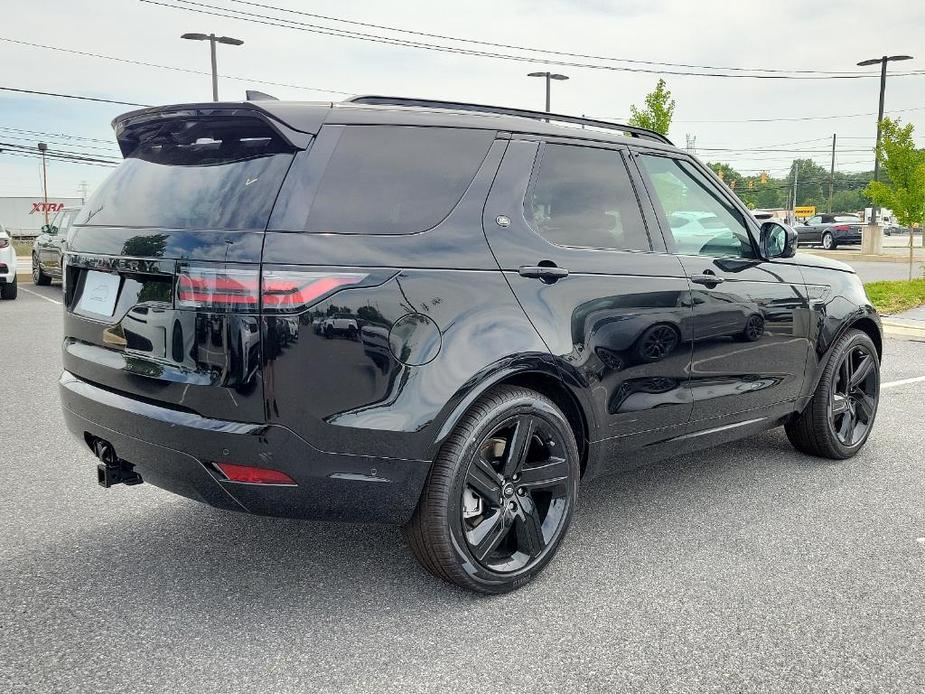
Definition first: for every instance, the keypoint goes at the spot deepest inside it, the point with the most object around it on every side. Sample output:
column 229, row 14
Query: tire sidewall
column 852, row 340
column 487, row 580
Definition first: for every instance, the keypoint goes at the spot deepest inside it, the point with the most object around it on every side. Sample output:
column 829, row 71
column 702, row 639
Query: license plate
column 100, row 292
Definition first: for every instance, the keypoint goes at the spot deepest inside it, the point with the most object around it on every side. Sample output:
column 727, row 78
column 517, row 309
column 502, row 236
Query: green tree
column 658, row 110
column 905, row 166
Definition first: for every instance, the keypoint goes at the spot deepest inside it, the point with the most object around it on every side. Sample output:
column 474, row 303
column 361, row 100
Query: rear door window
column 583, row 198
column 206, row 174
column 380, row 179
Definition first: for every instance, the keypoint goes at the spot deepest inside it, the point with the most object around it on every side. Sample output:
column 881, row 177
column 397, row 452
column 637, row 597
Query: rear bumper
column 848, row 238
column 176, row 450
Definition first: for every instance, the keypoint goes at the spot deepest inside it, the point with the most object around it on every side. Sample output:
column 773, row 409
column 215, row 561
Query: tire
column 9, row 291
column 828, row 242
column 657, row 342
column 38, row 275
column 819, row 430
column 754, row 329
column 499, row 541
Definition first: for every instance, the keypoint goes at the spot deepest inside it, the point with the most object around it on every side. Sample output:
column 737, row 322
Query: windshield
column 218, row 174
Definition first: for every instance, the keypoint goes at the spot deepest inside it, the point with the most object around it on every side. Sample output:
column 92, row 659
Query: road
column 748, row 568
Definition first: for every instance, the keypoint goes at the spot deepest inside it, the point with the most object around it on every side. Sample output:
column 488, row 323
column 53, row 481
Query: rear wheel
column 9, row 291
column 657, row 342
column 38, row 275
column 841, row 414
column 500, row 494
column 828, row 242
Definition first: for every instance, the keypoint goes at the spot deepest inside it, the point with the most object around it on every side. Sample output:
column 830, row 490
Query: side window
column 700, row 220
column 813, row 221
column 582, row 197
column 381, row 179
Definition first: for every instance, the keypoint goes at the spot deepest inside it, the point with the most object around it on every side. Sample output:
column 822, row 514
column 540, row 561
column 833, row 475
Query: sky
column 783, row 35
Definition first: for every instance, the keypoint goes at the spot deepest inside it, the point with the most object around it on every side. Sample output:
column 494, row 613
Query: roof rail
column 631, row 130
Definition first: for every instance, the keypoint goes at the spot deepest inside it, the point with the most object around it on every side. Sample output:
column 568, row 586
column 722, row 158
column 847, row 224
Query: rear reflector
column 253, row 475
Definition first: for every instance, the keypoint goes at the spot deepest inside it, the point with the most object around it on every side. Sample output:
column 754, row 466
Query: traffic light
column 764, row 177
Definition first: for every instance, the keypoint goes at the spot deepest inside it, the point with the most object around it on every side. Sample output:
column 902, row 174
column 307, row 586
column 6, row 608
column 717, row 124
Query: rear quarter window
column 380, row 179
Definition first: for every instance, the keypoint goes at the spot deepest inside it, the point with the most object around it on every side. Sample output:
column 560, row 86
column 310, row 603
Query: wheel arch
column 542, row 378
column 867, row 325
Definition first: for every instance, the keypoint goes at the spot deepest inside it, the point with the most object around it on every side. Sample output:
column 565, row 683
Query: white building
column 25, row 216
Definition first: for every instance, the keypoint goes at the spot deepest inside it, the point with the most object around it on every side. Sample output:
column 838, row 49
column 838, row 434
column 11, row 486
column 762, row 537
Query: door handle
column 547, row 273
column 708, row 280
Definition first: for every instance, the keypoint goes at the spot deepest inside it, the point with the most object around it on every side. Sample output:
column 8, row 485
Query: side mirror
column 46, row 228
column 778, row 240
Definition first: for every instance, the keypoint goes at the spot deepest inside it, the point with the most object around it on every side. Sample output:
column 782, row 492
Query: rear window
column 213, row 174
column 380, row 179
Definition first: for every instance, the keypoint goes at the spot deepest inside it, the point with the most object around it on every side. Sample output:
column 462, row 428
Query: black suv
column 440, row 315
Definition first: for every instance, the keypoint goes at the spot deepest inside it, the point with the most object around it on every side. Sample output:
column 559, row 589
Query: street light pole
column 883, row 61
column 213, row 39
column 549, row 76
column 43, row 148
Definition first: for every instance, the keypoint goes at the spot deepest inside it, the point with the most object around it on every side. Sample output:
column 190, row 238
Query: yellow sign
column 805, row 211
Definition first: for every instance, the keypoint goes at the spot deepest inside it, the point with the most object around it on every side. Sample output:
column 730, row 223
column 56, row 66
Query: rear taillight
column 285, row 291
column 238, row 289
column 4, row 243
column 219, row 289
column 841, row 227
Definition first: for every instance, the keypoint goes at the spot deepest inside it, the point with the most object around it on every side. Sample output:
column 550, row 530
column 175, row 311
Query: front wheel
column 828, row 242
column 840, row 416
column 500, row 495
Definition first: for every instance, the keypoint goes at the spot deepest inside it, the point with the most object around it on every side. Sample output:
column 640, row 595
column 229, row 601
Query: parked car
column 532, row 313
column 831, row 230
column 8, row 286
column 50, row 247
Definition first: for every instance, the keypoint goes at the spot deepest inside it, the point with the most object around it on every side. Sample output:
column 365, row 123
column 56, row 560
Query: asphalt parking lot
column 747, row 568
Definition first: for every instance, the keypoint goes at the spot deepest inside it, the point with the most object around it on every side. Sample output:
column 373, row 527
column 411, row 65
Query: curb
column 851, row 255
column 898, row 329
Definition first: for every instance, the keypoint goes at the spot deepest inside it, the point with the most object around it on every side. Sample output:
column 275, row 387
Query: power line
column 72, row 96
column 59, row 153
column 87, row 148
column 241, row 15
column 531, row 49
column 48, row 134
column 174, row 68
column 803, row 118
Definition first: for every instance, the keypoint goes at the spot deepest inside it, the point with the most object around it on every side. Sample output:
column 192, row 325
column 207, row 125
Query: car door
column 751, row 316
column 59, row 241
column 812, row 227
column 591, row 272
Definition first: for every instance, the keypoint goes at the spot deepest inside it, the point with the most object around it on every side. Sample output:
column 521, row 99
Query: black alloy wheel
column 853, row 403
column 658, row 342
column 500, row 494
column 516, row 494
column 841, row 413
column 754, row 328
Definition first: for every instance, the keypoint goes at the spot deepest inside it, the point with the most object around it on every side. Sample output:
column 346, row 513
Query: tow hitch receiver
column 112, row 470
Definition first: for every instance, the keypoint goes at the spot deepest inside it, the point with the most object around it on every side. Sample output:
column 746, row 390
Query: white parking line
column 904, row 381
column 40, row 296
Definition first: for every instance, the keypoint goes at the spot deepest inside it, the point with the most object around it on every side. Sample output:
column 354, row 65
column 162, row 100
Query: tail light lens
column 287, row 292
column 841, row 227
column 239, row 289
column 219, row 288
column 4, row 243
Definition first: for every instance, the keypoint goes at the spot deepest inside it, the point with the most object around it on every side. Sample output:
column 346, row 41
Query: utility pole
column 883, row 61
column 44, row 148
column 832, row 174
column 796, row 178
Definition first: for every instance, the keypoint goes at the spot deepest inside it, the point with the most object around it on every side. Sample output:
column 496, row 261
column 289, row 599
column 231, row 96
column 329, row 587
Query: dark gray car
column 830, row 230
